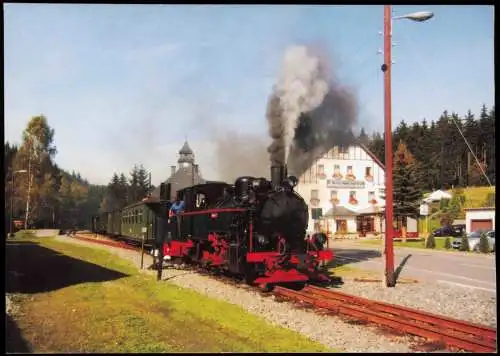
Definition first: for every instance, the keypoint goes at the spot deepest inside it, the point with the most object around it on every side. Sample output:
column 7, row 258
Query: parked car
column 474, row 238
column 454, row 230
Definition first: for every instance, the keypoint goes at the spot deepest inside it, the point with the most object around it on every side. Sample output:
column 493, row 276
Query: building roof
column 371, row 210
column 437, row 196
column 186, row 150
column 181, row 179
column 340, row 211
column 370, row 153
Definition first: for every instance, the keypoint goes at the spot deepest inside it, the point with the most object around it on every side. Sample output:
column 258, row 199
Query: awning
column 371, row 210
column 339, row 211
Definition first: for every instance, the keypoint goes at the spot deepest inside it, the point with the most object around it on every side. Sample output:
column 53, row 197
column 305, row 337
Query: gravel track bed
column 330, row 330
column 475, row 306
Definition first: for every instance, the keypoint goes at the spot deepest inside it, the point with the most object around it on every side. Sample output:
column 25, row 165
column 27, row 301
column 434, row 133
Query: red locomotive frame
column 268, row 263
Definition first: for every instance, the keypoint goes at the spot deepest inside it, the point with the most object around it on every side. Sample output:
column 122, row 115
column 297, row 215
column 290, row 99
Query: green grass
column 414, row 243
column 476, row 196
column 138, row 314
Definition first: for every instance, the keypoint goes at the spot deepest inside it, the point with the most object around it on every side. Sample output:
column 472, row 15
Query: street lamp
column 386, row 68
column 12, row 199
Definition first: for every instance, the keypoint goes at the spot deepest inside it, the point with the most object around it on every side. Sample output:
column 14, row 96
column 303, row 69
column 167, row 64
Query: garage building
column 479, row 219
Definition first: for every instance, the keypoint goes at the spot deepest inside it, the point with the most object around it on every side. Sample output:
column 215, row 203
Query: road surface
column 465, row 270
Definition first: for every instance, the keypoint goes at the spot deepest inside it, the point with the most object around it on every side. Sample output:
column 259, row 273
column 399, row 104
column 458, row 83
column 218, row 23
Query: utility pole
column 389, row 228
column 386, row 68
column 29, row 192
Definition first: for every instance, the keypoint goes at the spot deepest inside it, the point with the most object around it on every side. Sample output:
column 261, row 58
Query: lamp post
column 12, row 199
column 386, row 68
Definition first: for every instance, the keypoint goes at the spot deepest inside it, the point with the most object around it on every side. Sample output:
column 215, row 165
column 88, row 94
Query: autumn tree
column 407, row 196
column 34, row 155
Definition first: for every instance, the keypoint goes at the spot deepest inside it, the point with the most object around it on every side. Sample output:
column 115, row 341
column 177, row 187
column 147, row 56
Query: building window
column 343, row 150
column 368, row 174
column 336, row 172
column 334, row 199
column 316, row 213
column 371, row 198
column 365, row 224
column 314, row 197
column 352, row 198
column 321, row 172
column 341, row 226
column 350, row 174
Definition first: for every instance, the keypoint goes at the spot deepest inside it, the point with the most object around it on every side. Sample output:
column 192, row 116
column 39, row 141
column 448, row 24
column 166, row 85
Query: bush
column 431, row 241
column 464, row 243
column 484, row 244
column 447, row 243
column 443, row 204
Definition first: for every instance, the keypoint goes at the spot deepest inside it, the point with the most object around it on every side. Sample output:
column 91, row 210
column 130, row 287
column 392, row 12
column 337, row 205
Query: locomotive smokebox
column 278, row 174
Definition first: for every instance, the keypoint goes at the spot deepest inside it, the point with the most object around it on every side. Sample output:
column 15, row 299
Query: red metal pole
column 389, row 229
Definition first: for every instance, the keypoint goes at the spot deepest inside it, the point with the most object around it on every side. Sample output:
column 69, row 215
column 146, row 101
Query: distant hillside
column 476, row 197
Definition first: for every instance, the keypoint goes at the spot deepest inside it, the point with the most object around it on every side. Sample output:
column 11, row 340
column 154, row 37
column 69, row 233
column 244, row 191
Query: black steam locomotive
column 255, row 229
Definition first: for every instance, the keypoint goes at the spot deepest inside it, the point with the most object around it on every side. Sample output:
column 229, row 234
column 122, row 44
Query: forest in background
column 439, row 154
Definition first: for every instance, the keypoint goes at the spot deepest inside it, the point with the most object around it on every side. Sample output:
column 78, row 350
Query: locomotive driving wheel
column 266, row 287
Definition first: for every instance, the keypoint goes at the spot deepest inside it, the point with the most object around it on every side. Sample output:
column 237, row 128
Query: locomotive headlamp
column 293, row 181
column 262, row 239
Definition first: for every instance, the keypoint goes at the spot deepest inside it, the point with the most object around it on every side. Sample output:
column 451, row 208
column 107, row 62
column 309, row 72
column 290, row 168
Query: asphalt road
column 465, row 270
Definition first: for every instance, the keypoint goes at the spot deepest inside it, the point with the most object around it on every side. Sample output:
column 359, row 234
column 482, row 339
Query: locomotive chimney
column 172, row 170
column 278, row 174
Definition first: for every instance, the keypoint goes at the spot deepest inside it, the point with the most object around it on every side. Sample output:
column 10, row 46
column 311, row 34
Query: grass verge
column 413, row 244
column 137, row 314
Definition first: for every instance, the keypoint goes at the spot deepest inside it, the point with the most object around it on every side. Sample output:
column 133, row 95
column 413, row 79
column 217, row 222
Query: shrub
column 447, row 243
column 490, row 200
column 484, row 244
column 443, row 204
column 431, row 242
column 464, row 243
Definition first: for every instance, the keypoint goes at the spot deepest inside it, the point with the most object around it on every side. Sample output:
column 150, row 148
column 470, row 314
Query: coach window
column 140, row 216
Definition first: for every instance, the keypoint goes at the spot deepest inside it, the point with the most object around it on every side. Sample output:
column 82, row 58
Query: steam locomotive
column 254, row 229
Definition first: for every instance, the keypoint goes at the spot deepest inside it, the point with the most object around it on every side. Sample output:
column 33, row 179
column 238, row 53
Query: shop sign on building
column 345, row 183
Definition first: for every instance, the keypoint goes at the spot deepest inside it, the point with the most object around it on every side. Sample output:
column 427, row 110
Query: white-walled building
column 479, row 219
column 340, row 186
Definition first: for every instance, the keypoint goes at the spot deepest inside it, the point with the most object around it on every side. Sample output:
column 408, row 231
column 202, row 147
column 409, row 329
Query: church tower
column 186, row 156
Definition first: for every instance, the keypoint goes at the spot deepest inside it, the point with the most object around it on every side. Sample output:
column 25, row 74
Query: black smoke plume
column 317, row 129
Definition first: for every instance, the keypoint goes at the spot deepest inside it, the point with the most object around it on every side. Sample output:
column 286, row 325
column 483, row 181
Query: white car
column 474, row 238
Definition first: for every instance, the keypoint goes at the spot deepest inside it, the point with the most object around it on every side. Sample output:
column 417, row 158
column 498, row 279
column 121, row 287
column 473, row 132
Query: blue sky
column 124, row 84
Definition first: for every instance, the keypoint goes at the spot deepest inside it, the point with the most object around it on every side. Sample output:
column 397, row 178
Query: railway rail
column 447, row 331
column 451, row 332
column 105, row 241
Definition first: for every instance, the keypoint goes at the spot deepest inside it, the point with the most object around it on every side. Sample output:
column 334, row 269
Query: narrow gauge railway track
column 451, row 332
column 107, row 242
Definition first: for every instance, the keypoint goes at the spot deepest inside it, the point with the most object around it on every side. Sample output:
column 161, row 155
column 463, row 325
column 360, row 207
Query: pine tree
column 133, row 187
column 406, row 194
column 123, row 198
column 143, row 182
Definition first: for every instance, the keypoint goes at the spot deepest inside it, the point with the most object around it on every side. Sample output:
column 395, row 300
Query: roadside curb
column 378, row 247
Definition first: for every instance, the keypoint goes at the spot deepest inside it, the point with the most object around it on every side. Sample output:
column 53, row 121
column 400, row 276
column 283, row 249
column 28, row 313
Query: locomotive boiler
column 254, row 229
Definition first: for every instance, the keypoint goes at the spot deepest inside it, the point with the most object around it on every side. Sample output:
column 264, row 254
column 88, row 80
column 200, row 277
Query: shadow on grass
column 14, row 341
column 31, row 268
